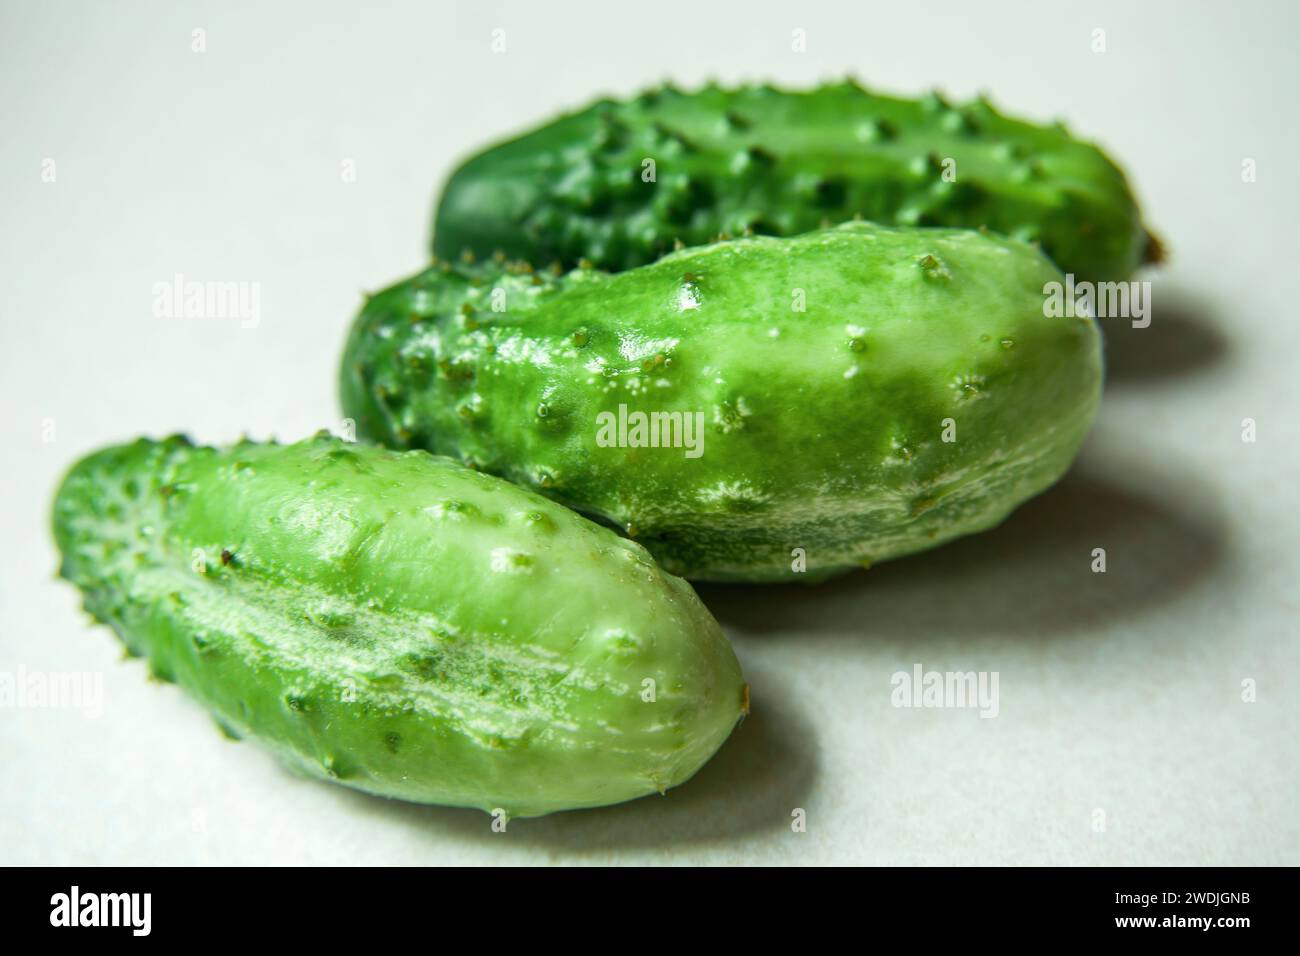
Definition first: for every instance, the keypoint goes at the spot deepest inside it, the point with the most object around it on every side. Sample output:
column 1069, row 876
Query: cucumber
column 843, row 397
column 771, row 162
column 400, row 623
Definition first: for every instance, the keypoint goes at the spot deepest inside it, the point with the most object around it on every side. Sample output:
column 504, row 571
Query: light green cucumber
column 860, row 393
column 400, row 623
column 617, row 183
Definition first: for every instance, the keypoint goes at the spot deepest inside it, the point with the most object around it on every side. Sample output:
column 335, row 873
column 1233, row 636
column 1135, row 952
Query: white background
column 1120, row 693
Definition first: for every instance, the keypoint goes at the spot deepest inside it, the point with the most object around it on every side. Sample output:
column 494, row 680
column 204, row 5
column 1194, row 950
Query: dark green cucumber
column 864, row 392
column 767, row 161
column 400, row 623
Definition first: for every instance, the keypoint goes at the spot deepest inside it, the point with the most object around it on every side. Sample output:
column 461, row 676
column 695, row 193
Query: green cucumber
column 862, row 392
column 772, row 162
column 400, row 623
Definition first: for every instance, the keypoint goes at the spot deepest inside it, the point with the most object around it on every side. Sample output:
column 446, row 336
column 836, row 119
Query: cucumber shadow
column 1182, row 339
column 765, row 770
column 1030, row 578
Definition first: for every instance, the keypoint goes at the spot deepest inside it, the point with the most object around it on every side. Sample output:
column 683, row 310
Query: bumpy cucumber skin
column 772, row 162
column 823, row 429
column 400, row 623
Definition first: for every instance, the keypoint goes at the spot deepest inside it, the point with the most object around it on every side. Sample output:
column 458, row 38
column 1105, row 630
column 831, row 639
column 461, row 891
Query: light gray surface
column 1119, row 692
